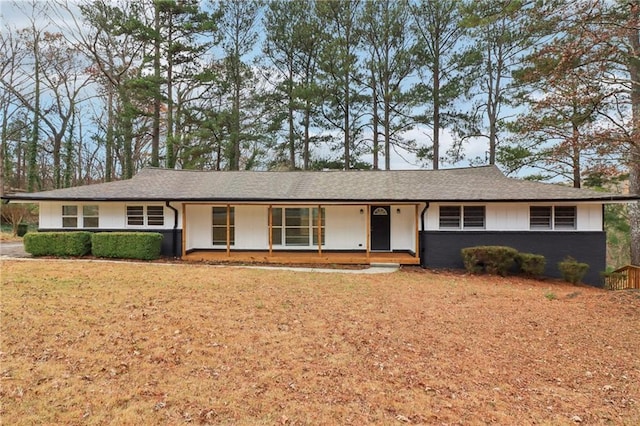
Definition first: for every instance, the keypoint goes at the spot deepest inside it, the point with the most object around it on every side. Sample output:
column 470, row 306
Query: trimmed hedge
column 492, row 259
column 77, row 243
column 127, row 245
column 531, row 264
column 572, row 270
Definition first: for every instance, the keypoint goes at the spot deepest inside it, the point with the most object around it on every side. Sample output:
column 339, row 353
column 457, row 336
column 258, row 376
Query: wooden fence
column 623, row 278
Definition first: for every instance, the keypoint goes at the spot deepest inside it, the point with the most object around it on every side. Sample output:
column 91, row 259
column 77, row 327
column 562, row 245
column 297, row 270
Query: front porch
column 303, row 257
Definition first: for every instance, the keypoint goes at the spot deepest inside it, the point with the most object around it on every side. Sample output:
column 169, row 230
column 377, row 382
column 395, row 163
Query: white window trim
column 145, row 216
column 313, row 228
column 553, row 227
column 231, row 226
column 461, row 226
column 79, row 216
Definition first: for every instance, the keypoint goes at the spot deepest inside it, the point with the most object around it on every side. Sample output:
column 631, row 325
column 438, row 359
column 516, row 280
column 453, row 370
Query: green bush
column 127, row 245
column 531, row 264
column 491, row 259
column 572, row 270
column 58, row 243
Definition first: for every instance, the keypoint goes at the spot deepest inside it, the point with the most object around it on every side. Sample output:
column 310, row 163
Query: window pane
column 69, row 222
column 90, row 222
column 297, row 217
column 219, row 236
column 276, row 236
column 155, row 215
column 540, row 217
column 449, row 216
column 220, row 216
column 135, row 210
column 89, row 211
column 135, row 221
column 565, row 217
column 135, row 215
column 276, row 216
column 297, row 236
column 474, row 216
column 69, row 210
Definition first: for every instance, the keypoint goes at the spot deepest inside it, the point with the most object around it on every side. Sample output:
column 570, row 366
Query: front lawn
column 125, row 343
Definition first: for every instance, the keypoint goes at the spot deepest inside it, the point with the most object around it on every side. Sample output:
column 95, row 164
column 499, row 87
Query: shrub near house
column 127, row 245
column 58, row 243
column 122, row 245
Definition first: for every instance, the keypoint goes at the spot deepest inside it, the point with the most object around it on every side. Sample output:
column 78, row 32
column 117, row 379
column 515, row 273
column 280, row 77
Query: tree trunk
column 307, row 136
column 155, row 133
column 171, row 139
column 634, row 160
column 374, row 99
column 436, row 116
column 108, row 167
column 32, row 148
column 290, row 111
column 347, row 135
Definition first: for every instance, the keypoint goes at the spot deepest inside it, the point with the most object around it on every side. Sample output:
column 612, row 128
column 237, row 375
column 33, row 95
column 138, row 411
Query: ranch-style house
column 409, row 217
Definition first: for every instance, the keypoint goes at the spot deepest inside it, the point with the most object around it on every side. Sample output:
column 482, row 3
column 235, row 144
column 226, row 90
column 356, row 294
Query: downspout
column 174, row 239
column 423, row 249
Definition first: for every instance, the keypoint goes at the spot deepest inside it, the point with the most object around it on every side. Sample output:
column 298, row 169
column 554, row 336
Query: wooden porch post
column 270, row 229
column 319, row 230
column 228, row 230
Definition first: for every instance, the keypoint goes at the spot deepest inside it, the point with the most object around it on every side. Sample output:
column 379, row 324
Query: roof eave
column 606, row 199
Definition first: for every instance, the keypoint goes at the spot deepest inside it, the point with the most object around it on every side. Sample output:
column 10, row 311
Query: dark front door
column 380, row 228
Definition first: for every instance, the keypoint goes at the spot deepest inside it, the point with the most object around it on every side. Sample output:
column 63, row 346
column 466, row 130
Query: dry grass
column 9, row 237
column 106, row 343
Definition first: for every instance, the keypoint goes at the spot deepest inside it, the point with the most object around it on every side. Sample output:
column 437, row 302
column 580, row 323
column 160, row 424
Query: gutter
column 423, row 249
column 174, row 239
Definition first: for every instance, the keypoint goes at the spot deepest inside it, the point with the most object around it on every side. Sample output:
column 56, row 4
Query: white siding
column 111, row 215
column 515, row 216
column 199, row 231
column 403, row 228
column 590, row 217
column 507, row 217
column 252, row 227
column 346, row 228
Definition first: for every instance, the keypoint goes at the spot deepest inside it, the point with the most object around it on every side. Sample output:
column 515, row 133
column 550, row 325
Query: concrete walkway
column 15, row 250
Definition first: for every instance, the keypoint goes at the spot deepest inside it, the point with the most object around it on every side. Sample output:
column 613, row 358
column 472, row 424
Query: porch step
column 384, row 265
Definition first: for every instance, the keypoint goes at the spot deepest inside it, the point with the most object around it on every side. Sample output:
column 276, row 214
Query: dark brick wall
column 442, row 249
column 167, row 234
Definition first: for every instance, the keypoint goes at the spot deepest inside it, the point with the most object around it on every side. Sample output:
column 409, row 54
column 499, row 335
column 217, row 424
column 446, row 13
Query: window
column 219, row 220
column 69, row 216
column 90, row 216
column 540, row 217
column 296, row 231
column 145, row 215
column 155, row 215
column 135, row 215
column 469, row 217
column 474, row 216
column 297, row 226
column 548, row 217
column 450, row 217
column 564, row 217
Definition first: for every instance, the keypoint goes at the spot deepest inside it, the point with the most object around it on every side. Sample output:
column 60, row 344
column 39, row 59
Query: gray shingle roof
column 485, row 183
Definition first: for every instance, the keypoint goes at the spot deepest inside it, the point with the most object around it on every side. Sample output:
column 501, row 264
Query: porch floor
column 293, row 257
